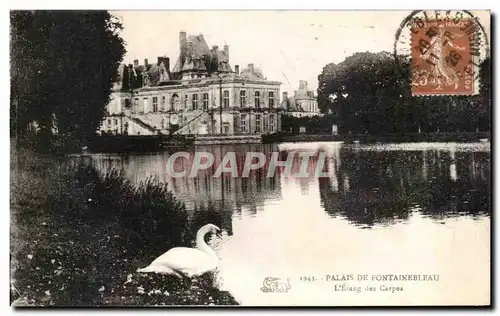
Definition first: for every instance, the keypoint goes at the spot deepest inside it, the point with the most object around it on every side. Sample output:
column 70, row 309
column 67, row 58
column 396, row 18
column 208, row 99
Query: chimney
column 302, row 85
column 146, row 62
column 237, row 69
column 167, row 64
column 190, row 48
column 136, row 63
column 226, row 51
column 215, row 48
column 250, row 67
column 182, row 41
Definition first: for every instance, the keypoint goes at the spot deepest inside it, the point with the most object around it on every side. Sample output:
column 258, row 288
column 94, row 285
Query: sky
column 288, row 46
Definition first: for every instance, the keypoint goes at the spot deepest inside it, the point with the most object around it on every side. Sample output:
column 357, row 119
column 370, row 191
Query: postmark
column 444, row 50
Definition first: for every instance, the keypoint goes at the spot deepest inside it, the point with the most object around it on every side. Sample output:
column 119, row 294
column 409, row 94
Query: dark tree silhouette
column 63, row 65
column 370, row 93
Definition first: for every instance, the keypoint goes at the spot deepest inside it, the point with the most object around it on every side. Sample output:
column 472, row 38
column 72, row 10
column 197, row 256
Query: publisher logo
column 275, row 285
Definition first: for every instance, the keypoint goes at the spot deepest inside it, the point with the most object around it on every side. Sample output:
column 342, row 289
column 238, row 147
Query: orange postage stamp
column 445, row 56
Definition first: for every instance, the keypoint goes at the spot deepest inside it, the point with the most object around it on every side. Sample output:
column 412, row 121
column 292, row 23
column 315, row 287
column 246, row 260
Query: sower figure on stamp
column 436, row 56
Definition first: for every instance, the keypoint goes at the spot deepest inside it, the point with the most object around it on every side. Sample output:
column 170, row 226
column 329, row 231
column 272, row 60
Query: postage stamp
column 447, row 49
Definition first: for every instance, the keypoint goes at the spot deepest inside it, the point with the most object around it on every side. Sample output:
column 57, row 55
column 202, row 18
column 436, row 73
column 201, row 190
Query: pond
column 418, row 209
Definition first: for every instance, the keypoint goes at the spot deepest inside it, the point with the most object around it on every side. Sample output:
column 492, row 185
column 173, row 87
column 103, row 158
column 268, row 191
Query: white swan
column 189, row 262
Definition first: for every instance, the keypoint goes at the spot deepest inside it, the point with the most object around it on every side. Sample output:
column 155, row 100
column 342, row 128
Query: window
column 186, row 99
column 174, row 102
column 127, row 103
column 163, row 100
column 115, row 122
column 136, row 105
column 155, row 104
column 145, row 106
column 243, row 123
column 205, row 101
column 271, row 99
column 257, row 99
column 257, row 124
column 109, row 123
column 226, row 99
column 195, row 102
column 271, row 123
column 243, row 98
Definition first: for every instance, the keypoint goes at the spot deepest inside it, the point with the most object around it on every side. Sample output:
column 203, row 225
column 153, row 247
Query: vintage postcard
column 250, row 158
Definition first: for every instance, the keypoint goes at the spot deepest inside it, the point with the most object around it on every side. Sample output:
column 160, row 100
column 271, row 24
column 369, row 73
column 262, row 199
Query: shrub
column 88, row 233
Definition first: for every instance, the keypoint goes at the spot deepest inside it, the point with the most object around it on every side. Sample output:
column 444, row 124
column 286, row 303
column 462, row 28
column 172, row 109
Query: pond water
column 420, row 208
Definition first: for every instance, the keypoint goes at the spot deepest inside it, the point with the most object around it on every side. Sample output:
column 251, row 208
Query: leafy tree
column 63, row 65
column 369, row 93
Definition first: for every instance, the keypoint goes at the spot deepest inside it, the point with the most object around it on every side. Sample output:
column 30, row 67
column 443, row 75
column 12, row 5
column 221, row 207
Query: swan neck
column 201, row 244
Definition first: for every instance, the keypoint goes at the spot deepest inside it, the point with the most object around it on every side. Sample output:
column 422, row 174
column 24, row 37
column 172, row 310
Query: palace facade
column 201, row 94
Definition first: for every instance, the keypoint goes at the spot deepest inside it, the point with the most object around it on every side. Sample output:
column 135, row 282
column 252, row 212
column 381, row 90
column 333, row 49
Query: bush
column 88, row 233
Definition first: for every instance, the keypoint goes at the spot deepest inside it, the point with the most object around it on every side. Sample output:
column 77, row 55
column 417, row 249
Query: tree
column 371, row 93
column 63, row 65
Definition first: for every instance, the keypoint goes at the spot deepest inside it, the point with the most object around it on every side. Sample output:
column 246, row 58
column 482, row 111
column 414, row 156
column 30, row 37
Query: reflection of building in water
column 366, row 187
column 218, row 198
column 237, row 193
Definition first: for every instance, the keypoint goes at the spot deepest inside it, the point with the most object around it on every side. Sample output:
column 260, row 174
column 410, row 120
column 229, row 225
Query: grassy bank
column 77, row 238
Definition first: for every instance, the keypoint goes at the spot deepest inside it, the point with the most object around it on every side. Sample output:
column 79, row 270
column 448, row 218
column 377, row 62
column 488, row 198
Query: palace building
column 201, row 94
column 302, row 104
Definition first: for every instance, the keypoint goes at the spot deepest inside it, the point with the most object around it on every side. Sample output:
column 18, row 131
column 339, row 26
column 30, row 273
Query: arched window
column 174, row 103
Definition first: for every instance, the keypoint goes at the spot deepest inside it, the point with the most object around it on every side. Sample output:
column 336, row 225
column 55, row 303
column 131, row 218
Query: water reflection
column 367, row 186
column 383, row 187
column 288, row 226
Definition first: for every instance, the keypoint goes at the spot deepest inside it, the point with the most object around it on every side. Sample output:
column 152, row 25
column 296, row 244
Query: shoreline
column 383, row 138
column 152, row 143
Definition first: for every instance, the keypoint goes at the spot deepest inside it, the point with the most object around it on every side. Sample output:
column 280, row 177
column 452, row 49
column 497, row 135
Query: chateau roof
column 252, row 73
column 195, row 57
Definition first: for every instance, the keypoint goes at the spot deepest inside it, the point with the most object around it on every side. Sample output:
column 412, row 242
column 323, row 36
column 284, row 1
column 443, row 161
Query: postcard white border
column 187, row 5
